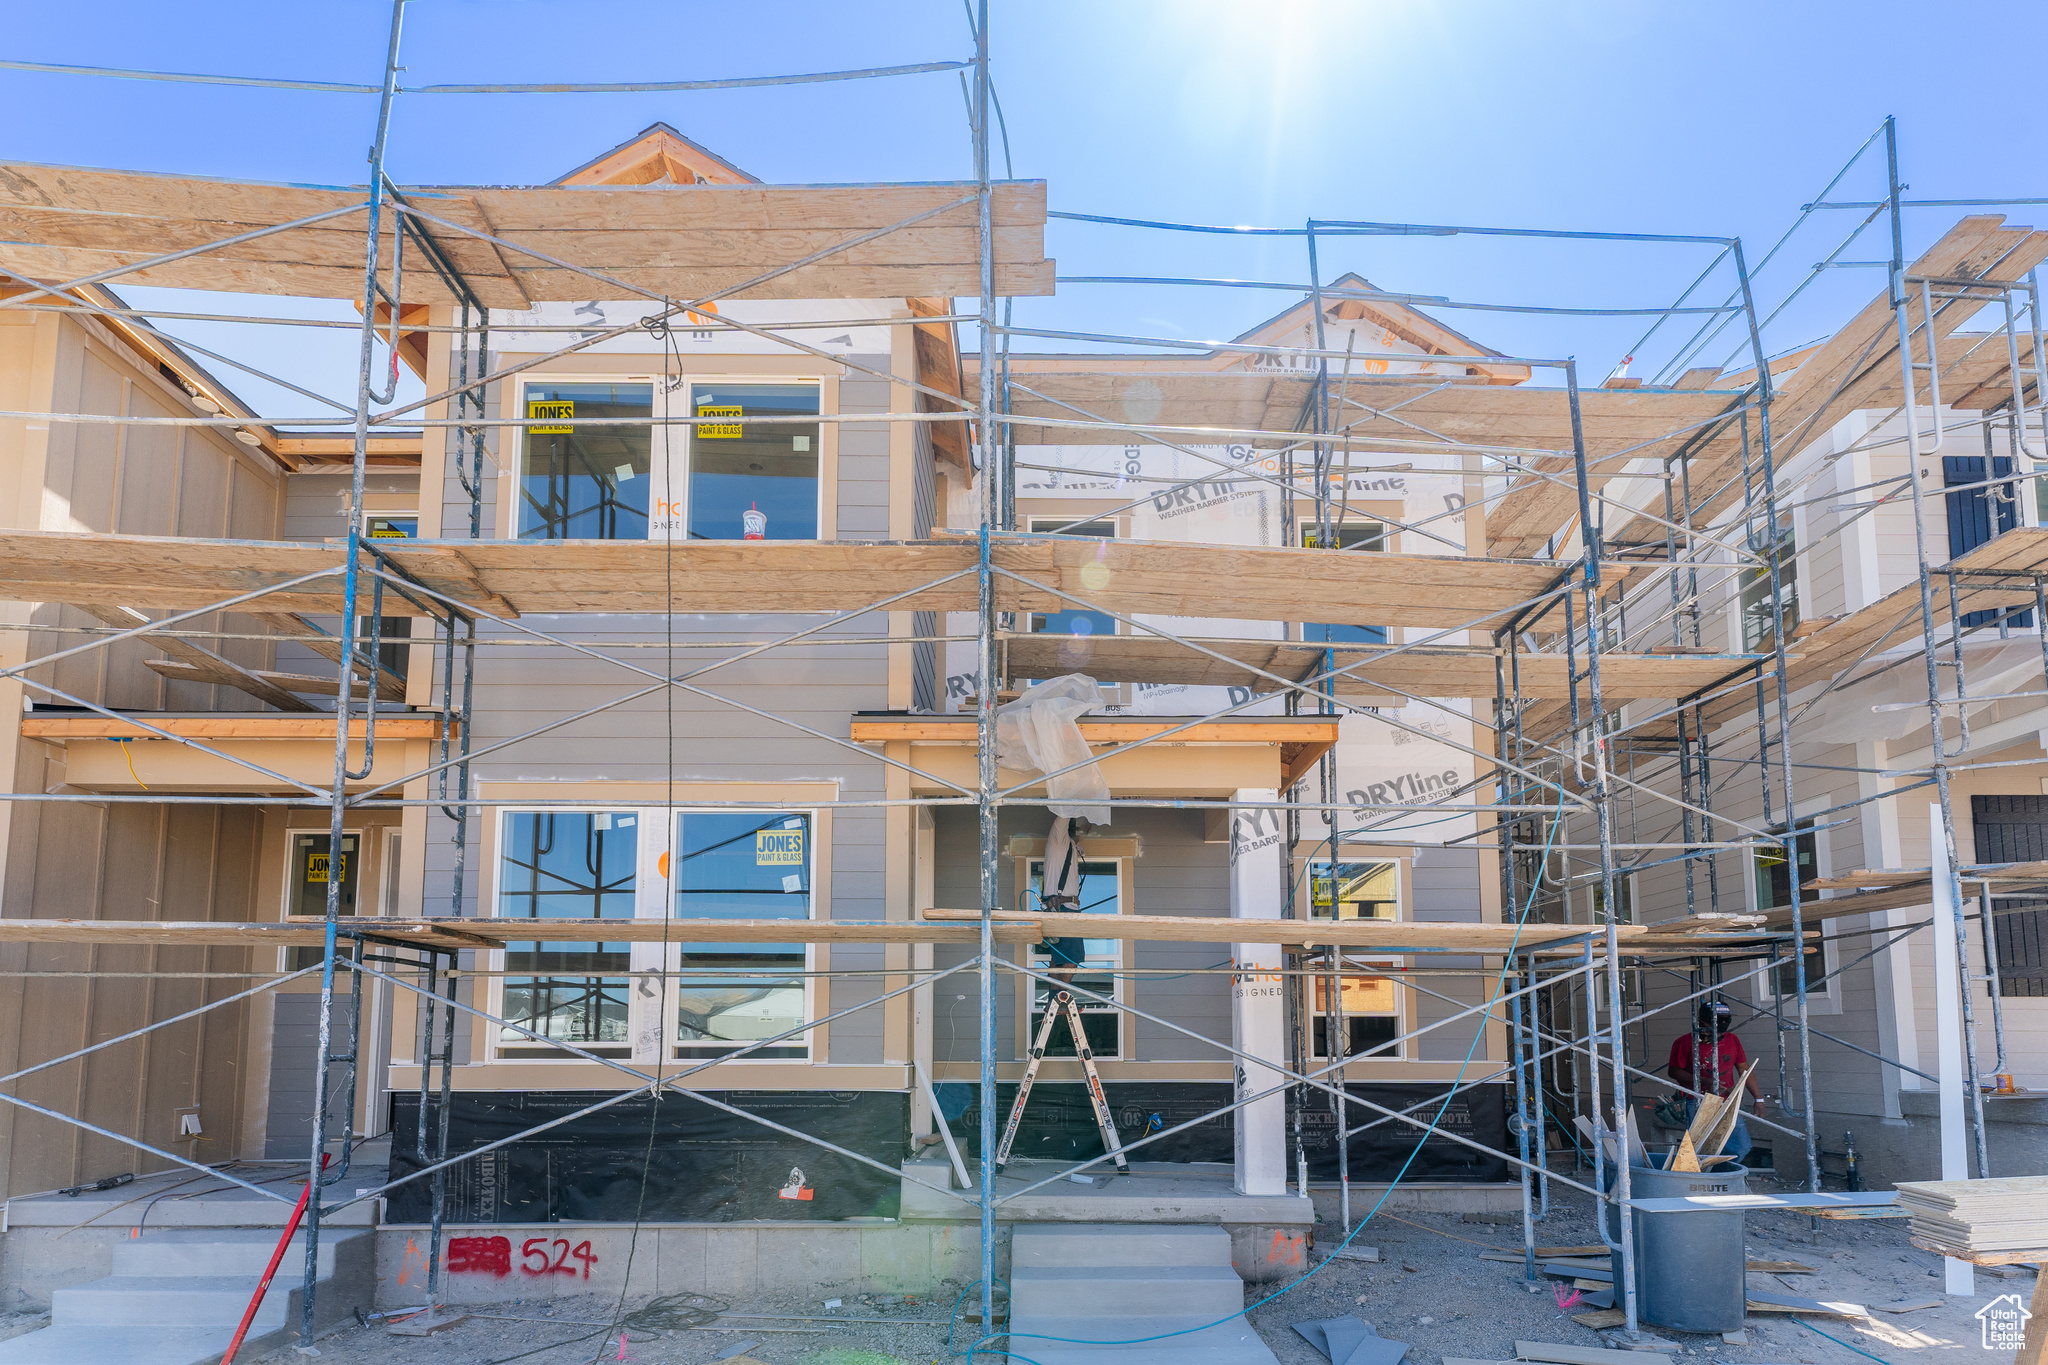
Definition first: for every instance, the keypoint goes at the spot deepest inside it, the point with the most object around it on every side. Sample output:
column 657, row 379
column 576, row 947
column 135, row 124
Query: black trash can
column 1689, row 1266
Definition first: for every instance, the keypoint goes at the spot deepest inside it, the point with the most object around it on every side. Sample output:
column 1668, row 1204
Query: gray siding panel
column 316, row 505
column 294, row 1062
column 1178, row 874
column 924, row 658
column 864, row 458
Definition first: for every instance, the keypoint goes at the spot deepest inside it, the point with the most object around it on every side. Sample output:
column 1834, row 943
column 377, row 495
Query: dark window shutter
column 1976, row 514
column 2014, row 829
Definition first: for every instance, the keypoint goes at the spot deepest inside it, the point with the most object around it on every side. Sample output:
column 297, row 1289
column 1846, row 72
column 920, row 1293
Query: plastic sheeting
column 1040, row 732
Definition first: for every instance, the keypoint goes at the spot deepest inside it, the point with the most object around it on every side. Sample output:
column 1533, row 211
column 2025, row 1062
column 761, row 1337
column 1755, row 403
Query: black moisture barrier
column 1477, row 1113
column 1059, row 1125
column 707, row 1166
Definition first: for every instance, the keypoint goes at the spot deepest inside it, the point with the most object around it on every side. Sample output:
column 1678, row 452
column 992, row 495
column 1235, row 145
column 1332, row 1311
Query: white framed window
column 1760, row 620
column 723, row 996
column 391, row 525
column 567, row 865
column 1372, row 1009
column 1098, row 964
column 679, row 1000
column 584, row 474
column 393, row 894
column 1773, row 885
column 590, row 470
column 1624, row 892
column 752, row 480
column 1353, row 889
column 1356, row 889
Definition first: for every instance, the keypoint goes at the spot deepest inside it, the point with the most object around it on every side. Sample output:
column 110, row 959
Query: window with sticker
column 648, row 993
column 752, row 479
column 567, row 865
column 741, row 865
column 586, row 462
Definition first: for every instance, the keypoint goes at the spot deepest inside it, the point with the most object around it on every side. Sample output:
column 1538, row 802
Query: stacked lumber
column 1712, row 1126
column 1968, row 1218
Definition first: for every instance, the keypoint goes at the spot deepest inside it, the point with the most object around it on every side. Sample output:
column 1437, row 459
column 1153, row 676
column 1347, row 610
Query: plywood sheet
column 228, row 727
column 1166, row 579
column 541, row 577
column 1123, row 730
column 1151, row 659
column 306, row 930
column 932, row 926
column 677, row 241
column 1373, row 935
column 1894, row 619
column 1419, row 409
column 1374, row 675
column 1858, row 367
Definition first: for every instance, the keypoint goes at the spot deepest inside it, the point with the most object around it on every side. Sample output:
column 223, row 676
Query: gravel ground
column 1453, row 1304
column 1429, row 1289
column 555, row 1337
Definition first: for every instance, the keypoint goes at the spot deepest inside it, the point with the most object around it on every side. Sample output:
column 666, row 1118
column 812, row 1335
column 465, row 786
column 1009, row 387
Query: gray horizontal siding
column 316, row 505
column 864, row 457
column 1178, row 874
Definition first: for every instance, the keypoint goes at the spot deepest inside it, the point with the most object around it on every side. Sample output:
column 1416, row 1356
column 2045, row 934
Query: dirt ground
column 1429, row 1289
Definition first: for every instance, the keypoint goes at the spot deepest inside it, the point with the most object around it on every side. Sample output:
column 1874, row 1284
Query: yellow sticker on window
column 316, row 867
column 719, row 431
column 772, row 846
column 560, row 409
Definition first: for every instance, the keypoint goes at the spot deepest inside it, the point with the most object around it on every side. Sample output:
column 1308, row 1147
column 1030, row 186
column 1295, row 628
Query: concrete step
column 1253, row 1352
column 197, row 1204
column 201, row 1252
column 1199, row 1293
column 170, row 1300
column 1229, row 1343
column 127, row 1345
column 1168, row 1290
column 1152, row 1244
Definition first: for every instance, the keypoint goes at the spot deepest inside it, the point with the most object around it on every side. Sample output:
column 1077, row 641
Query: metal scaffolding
column 1570, row 799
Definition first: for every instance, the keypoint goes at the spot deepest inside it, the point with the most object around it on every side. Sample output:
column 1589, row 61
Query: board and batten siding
column 121, row 861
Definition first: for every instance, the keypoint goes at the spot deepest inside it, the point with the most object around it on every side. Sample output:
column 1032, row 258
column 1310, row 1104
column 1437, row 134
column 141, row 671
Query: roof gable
column 1399, row 327
column 658, row 155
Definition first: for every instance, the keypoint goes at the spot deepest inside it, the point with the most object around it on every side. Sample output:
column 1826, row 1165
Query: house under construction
column 584, row 782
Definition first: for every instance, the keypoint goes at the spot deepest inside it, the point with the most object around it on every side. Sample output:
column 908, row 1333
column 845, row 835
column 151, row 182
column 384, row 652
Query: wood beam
column 320, row 726
column 288, row 683
column 197, row 664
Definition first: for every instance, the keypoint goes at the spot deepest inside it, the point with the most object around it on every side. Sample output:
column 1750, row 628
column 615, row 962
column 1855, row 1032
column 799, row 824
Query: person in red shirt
column 1714, row 1073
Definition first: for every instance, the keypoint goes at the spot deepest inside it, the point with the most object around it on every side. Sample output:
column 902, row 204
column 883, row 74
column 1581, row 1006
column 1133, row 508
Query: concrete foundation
column 1909, row 1147
column 53, row 1243
column 493, row 1262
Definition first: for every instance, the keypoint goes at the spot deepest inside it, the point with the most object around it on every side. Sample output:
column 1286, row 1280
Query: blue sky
column 1715, row 120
